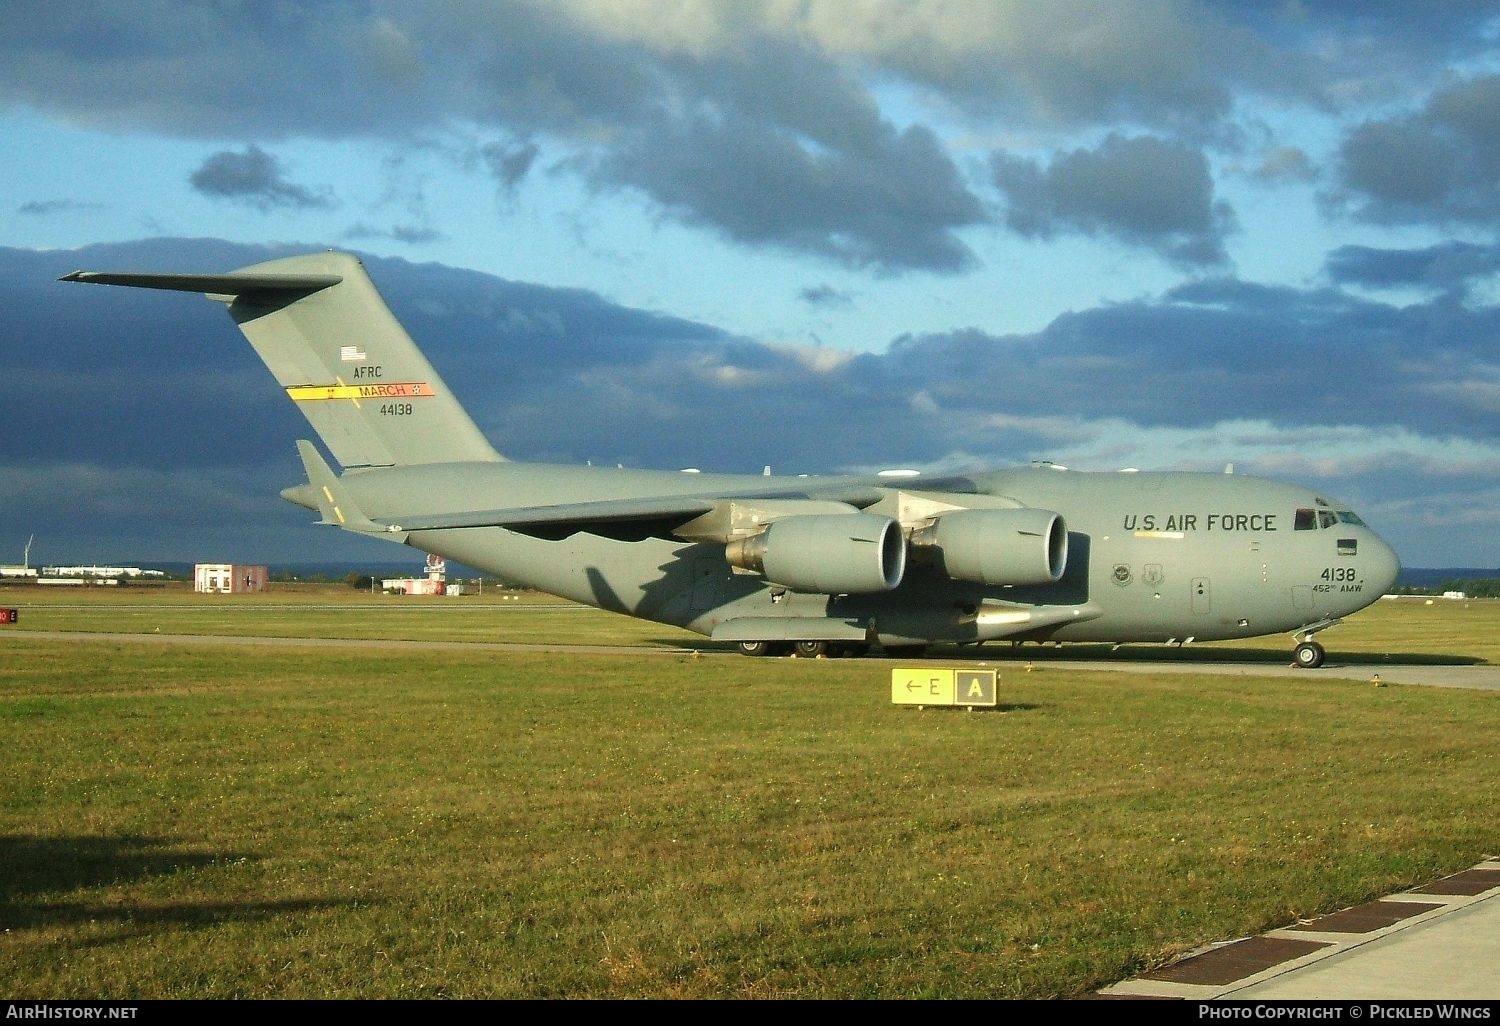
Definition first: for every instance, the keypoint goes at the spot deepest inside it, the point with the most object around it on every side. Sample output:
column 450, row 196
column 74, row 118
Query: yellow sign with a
column 938, row 685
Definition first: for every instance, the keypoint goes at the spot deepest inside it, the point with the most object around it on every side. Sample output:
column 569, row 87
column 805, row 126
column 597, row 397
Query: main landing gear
column 803, row 649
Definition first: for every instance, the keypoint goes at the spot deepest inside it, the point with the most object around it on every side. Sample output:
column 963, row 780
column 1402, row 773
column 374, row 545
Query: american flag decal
column 351, row 354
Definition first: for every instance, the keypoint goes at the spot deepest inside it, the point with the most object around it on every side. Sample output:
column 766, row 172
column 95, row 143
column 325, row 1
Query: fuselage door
column 1201, row 604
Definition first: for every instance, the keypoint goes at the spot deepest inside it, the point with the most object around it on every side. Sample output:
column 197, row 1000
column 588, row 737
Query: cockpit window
column 1318, row 519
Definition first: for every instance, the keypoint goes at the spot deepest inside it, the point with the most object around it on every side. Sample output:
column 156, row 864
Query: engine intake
column 997, row 546
column 854, row 553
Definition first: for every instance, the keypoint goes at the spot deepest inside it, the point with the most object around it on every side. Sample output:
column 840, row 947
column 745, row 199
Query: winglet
column 334, row 502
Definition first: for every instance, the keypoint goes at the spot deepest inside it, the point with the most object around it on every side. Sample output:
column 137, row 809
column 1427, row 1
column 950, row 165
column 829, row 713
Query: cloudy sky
column 824, row 236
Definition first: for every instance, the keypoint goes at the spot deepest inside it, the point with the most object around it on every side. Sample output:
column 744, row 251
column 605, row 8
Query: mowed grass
column 216, row 822
column 1407, row 630
column 328, row 611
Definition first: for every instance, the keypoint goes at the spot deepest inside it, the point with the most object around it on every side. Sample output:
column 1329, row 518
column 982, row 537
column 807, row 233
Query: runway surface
column 1478, row 677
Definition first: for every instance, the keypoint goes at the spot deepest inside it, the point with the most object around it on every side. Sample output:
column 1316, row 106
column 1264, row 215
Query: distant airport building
column 230, row 578
column 414, row 586
column 435, row 583
column 24, row 572
column 100, row 571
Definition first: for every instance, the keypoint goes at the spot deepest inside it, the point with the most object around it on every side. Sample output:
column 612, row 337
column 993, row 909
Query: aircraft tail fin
column 323, row 330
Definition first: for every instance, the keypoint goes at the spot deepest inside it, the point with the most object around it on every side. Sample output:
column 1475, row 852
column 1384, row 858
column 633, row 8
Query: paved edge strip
column 1220, row 970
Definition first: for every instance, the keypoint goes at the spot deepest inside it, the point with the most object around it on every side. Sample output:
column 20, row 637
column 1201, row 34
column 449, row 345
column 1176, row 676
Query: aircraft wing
column 580, row 516
column 603, row 516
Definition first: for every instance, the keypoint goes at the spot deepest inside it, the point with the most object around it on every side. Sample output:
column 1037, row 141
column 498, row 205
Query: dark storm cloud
column 254, row 177
column 1333, row 52
column 158, row 387
column 211, row 71
column 891, row 208
column 1438, row 164
column 766, row 142
column 342, row 68
column 1449, row 266
column 775, row 146
column 1144, row 191
column 1224, row 349
column 1161, row 63
column 759, row 121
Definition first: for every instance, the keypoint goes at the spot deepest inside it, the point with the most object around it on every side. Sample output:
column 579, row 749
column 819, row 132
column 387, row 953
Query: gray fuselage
column 1151, row 556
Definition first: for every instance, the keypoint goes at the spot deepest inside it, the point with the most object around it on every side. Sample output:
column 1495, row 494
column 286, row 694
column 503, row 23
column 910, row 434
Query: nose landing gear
column 1308, row 654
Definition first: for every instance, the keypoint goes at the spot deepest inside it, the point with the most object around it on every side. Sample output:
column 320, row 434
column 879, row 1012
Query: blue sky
column 1162, row 234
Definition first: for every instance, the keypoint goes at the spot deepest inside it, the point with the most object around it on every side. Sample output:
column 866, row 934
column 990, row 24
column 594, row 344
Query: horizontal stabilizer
column 210, row 284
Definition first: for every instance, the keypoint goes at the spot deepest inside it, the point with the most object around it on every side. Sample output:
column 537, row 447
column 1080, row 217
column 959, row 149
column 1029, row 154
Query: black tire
column 810, row 649
column 1309, row 655
column 755, row 648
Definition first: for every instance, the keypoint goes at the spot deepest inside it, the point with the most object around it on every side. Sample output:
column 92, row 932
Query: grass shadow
column 39, row 868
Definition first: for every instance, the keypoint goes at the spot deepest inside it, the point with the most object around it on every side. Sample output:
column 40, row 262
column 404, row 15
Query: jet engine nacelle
column 853, row 553
column 997, row 546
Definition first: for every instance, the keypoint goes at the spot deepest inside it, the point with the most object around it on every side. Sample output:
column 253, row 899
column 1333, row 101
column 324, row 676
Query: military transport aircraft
column 778, row 565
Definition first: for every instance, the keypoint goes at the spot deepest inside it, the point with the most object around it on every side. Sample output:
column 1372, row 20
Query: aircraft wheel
column 1310, row 655
column 755, row 648
column 906, row 651
column 810, row 649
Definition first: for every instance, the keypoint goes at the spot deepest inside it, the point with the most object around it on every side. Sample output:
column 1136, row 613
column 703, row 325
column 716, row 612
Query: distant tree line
column 1478, row 587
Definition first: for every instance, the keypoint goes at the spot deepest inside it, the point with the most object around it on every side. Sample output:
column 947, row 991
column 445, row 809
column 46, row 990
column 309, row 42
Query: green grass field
column 219, row 822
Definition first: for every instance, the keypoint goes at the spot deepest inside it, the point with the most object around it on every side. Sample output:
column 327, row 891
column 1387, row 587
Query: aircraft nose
column 1382, row 565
